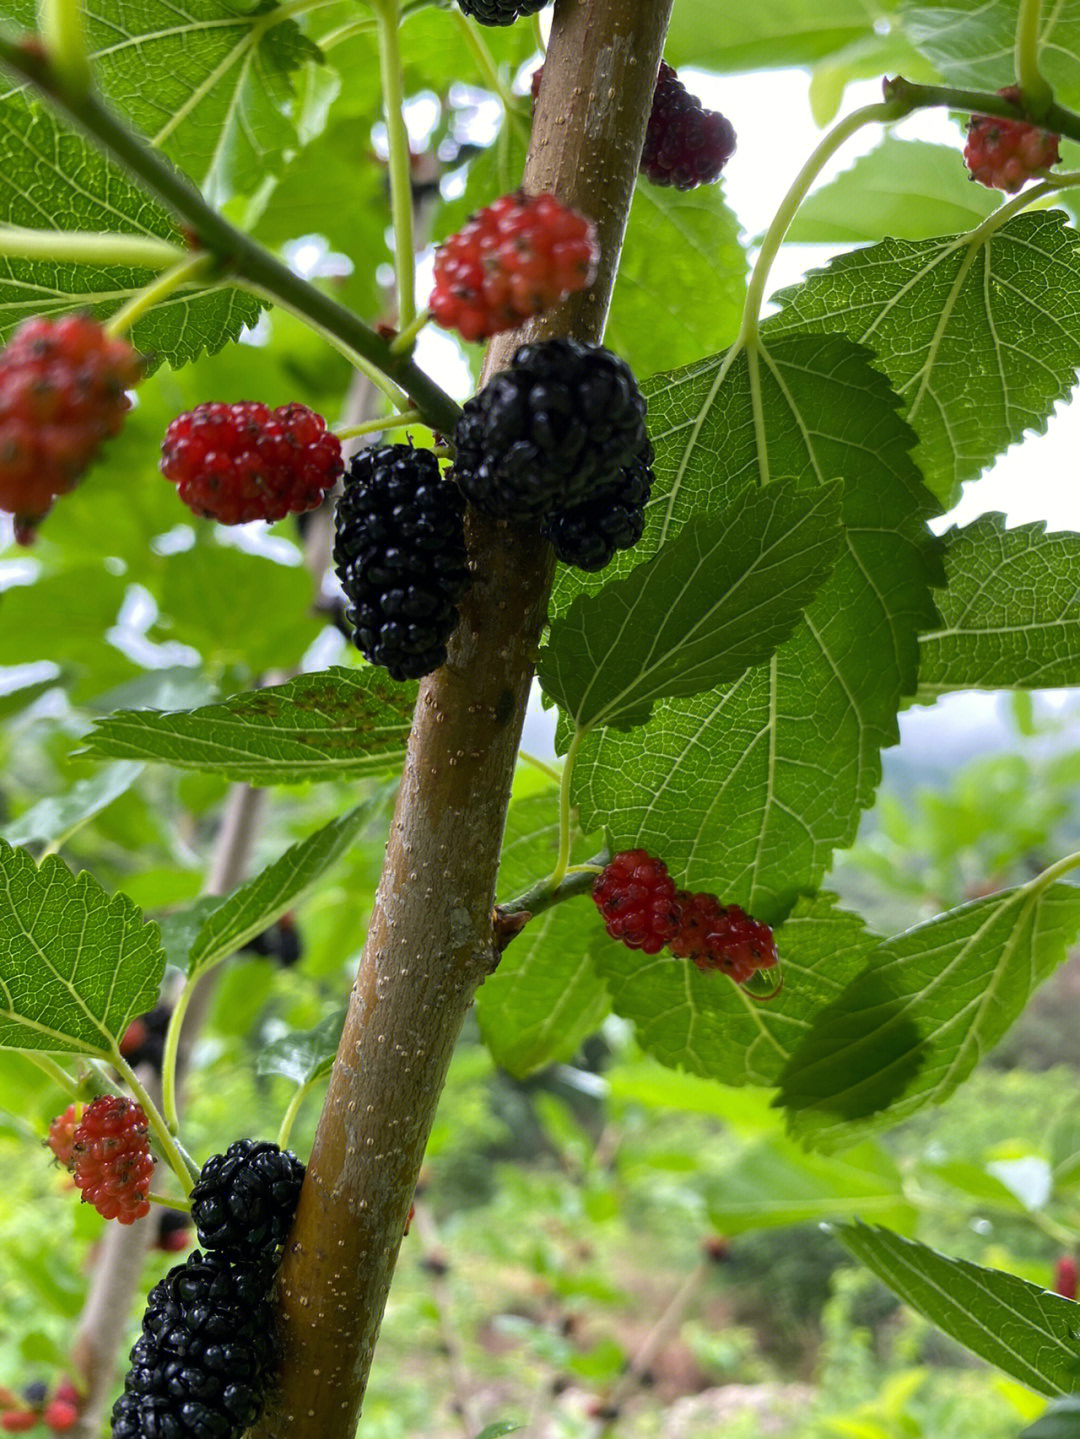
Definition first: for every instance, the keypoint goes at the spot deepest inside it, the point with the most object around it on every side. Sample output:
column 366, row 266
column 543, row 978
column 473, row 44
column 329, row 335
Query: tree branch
column 430, row 940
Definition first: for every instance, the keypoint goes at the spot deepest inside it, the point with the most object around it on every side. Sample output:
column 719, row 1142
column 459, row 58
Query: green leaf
column 681, row 284
column 339, row 724
column 65, row 618
column 907, row 189
column 210, row 84
column 248, row 910
column 261, row 616
column 498, row 1430
column 976, row 1183
column 1009, row 617
column 52, row 177
column 1022, row 1329
column 54, row 818
column 306, row 1054
column 764, row 35
column 715, row 601
column 76, row 964
column 789, row 753
column 979, row 340
column 545, row 998
column 774, row 1184
column 1060, row 1421
column 706, row 1024
column 971, row 43
column 931, row 1002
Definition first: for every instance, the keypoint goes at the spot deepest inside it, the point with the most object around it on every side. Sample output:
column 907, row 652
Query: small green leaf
column 76, row 964
column 718, row 599
column 775, row 1183
column 261, row 900
column 52, row 819
column 1024, row 1330
column 1009, row 618
column 306, row 1054
column 338, row 724
column 907, row 189
column 909, row 1029
column 497, row 1431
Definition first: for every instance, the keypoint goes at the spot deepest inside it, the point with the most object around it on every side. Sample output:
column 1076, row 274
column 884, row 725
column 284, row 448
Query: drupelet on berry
column 501, row 12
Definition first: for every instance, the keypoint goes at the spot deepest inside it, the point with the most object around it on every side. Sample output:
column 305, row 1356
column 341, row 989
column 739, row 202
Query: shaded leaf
column 1060, row 1421
column 1010, row 618
column 907, row 189
column 55, row 817
column 716, row 600
column 764, row 35
column 338, row 724
column 774, row 1184
column 261, row 900
column 931, row 1002
column 304, row 1055
column 1024, row 1330
column 76, row 964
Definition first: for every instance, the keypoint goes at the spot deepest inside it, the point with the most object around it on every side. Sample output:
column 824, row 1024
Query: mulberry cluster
column 558, row 439
column 514, row 259
column 685, row 144
column 234, row 463
column 111, row 1160
column 501, row 12
column 199, row 1369
column 642, row 908
column 62, row 393
column 280, row 941
column 143, row 1042
column 1006, row 154
column 399, row 552
column 59, row 1411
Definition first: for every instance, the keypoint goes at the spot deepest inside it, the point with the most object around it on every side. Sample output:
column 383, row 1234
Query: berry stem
column 84, row 247
column 488, row 68
column 1037, row 91
column 981, row 234
column 241, row 256
column 290, row 1114
column 1052, row 874
column 781, row 222
column 558, row 874
column 169, row 1056
column 192, row 267
column 166, row 1202
column 388, row 19
column 180, row 1163
column 60, row 24
column 404, row 341
column 376, row 427
column 579, row 879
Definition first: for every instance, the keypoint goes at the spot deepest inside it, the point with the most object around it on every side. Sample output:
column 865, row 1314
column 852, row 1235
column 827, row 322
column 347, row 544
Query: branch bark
column 431, row 941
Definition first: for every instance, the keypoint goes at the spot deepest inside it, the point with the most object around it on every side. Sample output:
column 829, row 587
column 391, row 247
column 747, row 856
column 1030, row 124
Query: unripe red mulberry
column 636, row 897
column 113, row 1165
column 1006, row 154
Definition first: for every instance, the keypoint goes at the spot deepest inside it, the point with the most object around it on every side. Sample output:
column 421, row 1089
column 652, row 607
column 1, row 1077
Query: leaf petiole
column 189, row 269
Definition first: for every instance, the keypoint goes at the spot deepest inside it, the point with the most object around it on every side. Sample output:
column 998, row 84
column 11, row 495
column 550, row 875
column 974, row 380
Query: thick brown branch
column 431, row 942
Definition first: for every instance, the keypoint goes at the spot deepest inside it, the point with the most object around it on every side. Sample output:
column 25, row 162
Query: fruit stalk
column 1037, row 92
column 431, row 939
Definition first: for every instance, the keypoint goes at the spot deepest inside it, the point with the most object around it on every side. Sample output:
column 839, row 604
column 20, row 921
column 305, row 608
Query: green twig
column 404, row 342
column 578, row 880
column 60, row 23
column 978, row 102
column 190, row 268
column 388, row 16
column 240, row 255
column 169, row 1058
column 558, row 873
column 1037, row 92
column 540, row 764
